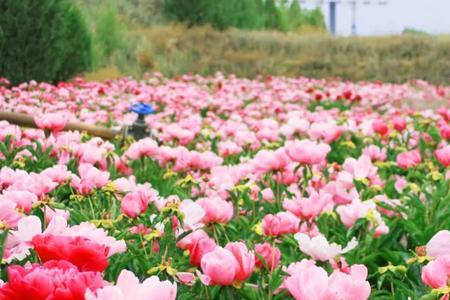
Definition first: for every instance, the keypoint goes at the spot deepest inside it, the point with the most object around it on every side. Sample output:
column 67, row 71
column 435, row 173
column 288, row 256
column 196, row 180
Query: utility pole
column 353, row 4
column 332, row 17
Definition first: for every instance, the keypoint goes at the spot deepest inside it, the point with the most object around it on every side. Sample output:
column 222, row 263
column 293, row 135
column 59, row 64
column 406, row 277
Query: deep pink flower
column 271, row 256
column 399, row 123
column 380, row 127
column 83, row 253
column 443, row 155
column 52, row 280
column 136, row 202
column 198, row 243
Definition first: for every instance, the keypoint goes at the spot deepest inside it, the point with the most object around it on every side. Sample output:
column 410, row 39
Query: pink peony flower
column 443, row 155
column 310, row 207
column 348, row 286
column 136, row 202
column 57, row 173
column 90, row 178
column 439, row 245
column 266, row 161
column 245, row 259
column 128, row 287
column 54, row 122
column 436, row 273
column 9, row 217
column 359, row 168
column 281, row 223
column 23, row 199
column 375, row 153
column 307, row 152
column 307, row 281
column 142, row 148
column 216, row 210
column 399, row 123
column 198, row 243
column 380, row 127
column 409, row 159
column 220, row 266
column 271, row 256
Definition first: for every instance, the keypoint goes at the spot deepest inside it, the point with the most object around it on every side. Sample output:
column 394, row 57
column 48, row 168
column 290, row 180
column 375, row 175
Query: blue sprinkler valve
column 139, row 129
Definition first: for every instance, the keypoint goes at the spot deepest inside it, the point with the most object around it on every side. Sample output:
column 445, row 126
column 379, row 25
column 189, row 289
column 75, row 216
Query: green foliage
column 108, row 32
column 42, row 40
column 190, row 11
column 248, row 14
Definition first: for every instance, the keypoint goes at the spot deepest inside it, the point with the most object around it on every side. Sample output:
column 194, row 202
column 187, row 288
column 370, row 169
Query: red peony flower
column 52, row 280
column 83, row 253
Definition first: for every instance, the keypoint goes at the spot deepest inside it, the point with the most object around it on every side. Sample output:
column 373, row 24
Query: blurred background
column 388, row 40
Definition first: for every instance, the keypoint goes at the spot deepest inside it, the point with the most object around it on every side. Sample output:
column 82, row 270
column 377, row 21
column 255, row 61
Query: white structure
column 333, row 7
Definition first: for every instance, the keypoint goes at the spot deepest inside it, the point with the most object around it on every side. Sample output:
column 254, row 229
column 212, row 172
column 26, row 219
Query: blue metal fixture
column 139, row 129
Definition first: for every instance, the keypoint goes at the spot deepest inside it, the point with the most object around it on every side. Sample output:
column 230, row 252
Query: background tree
column 42, row 40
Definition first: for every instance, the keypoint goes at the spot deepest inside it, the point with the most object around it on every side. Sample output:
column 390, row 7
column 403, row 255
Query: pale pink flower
column 9, row 217
column 216, row 210
column 375, row 153
column 320, row 249
column 193, row 214
column 142, row 148
column 400, row 184
column 328, row 131
column 436, row 273
column 90, row 178
column 360, row 168
column 57, row 173
column 53, row 121
column 129, row 288
column 349, row 286
column 439, row 245
column 23, row 199
column 308, row 207
column 307, row 152
column 266, row 161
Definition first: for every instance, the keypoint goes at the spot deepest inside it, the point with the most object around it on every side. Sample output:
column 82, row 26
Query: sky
column 432, row 16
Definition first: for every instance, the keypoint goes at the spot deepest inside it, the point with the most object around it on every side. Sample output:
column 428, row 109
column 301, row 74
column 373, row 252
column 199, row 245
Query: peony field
column 269, row 188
